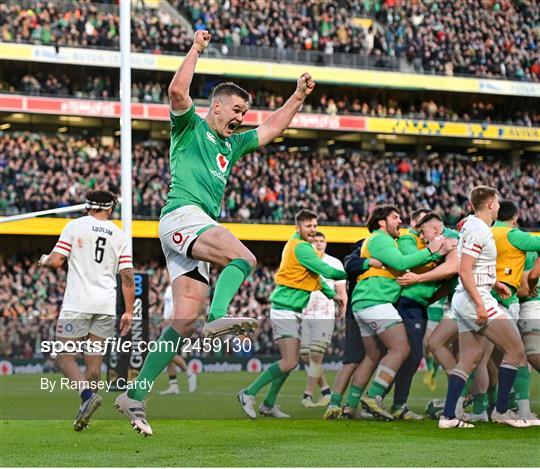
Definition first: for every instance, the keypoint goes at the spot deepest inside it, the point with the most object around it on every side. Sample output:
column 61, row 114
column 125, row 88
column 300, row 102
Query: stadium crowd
column 42, row 172
column 103, row 86
column 496, row 38
column 489, row 39
column 31, row 299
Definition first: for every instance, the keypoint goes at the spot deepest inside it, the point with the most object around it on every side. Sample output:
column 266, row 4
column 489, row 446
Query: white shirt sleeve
column 472, row 243
column 125, row 260
column 65, row 242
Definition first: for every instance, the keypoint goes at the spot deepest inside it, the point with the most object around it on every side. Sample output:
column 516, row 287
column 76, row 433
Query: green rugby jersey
column 423, row 292
column 530, row 259
column 375, row 288
column 201, row 162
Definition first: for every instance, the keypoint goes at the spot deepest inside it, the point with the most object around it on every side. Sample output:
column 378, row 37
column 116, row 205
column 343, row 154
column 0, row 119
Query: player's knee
column 534, row 361
column 373, row 355
column 63, row 360
column 93, row 375
column 403, row 351
column 514, row 352
column 475, row 357
column 315, row 369
column 433, row 345
column 289, row 364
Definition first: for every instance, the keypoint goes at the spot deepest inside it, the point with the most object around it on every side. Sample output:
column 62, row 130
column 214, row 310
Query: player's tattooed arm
column 54, row 260
column 128, row 290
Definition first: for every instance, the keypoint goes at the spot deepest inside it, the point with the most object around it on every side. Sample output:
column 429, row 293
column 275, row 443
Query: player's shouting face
column 229, row 111
column 307, row 229
column 392, row 224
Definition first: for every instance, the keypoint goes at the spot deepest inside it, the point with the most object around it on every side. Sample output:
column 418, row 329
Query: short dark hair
column 427, row 217
column 481, row 194
column 304, row 215
column 230, row 89
column 418, row 212
column 380, row 213
column 100, row 200
column 320, row 234
column 507, row 210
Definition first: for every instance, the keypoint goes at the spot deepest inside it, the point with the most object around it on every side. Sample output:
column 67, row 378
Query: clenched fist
column 201, row 40
column 304, row 86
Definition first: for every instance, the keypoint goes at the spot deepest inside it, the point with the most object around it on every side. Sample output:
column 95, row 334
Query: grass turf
column 207, row 428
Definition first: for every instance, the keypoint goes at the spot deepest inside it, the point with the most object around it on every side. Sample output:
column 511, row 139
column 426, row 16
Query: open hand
column 125, row 323
column 410, row 278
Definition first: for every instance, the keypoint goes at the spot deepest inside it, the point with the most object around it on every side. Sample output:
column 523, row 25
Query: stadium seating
column 52, row 171
column 499, row 41
column 458, row 37
column 360, row 101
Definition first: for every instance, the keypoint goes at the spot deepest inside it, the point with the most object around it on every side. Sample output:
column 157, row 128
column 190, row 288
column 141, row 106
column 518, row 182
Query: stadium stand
column 52, row 171
column 496, row 39
column 452, row 38
column 360, row 101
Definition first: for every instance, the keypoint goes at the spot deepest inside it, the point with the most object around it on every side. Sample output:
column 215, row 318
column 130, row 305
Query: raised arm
column 280, row 119
column 179, row 88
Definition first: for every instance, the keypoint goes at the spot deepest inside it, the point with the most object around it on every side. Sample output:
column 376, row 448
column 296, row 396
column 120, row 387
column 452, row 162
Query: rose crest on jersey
column 222, row 162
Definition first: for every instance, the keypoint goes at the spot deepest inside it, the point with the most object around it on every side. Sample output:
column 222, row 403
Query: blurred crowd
column 362, row 102
column 489, row 38
column 40, row 172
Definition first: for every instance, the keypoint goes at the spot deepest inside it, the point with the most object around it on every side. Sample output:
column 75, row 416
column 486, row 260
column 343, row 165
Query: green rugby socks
column 155, row 363
column 336, row 399
column 273, row 392
column 227, row 285
column 270, row 374
column 353, row 398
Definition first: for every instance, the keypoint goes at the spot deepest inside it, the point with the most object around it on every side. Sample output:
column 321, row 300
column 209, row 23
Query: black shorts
column 354, row 347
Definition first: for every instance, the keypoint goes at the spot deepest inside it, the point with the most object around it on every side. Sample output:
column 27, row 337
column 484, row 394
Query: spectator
column 42, row 172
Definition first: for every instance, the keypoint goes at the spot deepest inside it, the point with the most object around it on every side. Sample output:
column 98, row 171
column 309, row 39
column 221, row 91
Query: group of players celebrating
column 392, row 281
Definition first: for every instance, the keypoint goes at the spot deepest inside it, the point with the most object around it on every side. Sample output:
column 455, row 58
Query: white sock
column 173, row 382
column 524, row 406
column 459, row 405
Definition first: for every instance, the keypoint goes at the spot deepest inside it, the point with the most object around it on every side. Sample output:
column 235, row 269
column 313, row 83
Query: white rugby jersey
column 96, row 250
column 168, row 303
column 476, row 240
column 319, row 306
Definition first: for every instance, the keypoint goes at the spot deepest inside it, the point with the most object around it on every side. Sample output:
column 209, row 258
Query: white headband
column 93, row 205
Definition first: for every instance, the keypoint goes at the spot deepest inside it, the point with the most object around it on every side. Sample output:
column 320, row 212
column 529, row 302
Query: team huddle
column 467, row 302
